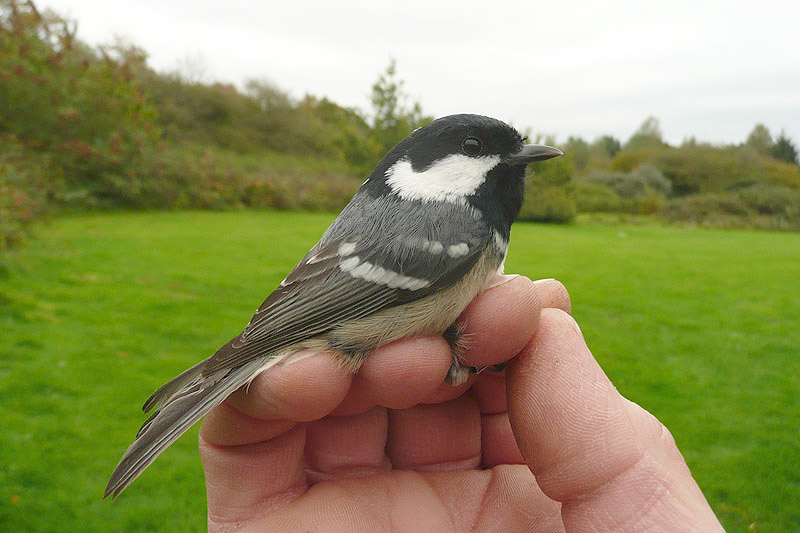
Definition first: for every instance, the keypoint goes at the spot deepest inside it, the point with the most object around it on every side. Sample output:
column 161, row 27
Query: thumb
column 611, row 464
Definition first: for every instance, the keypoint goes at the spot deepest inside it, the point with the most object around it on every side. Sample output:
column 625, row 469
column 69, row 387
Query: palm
column 369, row 472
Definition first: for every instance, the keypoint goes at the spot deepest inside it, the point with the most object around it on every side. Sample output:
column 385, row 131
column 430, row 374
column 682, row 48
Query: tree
column 82, row 109
column 392, row 118
column 649, row 134
column 760, row 140
column 578, row 151
column 269, row 96
column 650, row 128
column 547, row 188
column 784, row 149
column 278, row 114
column 609, row 144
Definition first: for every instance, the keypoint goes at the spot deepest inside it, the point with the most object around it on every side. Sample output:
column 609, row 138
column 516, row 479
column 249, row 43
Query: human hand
column 312, row 448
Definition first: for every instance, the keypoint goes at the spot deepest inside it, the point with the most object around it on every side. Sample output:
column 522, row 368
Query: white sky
column 711, row 69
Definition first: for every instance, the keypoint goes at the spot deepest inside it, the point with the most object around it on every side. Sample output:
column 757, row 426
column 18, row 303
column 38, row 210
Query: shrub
column 646, row 179
column 781, row 202
column 697, row 207
column 593, row 197
column 552, row 172
column 706, row 168
column 649, row 204
column 698, row 168
column 653, row 180
column 547, row 203
column 761, row 206
column 81, row 107
column 778, row 172
column 208, row 179
column 294, row 190
column 22, row 195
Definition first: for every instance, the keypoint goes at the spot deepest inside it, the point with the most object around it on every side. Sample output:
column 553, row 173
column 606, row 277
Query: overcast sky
column 709, row 69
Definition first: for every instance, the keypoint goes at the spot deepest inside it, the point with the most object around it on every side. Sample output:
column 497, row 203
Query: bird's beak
column 533, row 152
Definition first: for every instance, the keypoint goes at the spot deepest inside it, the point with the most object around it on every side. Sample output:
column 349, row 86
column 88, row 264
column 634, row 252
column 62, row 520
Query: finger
column 662, row 471
column 490, row 392
column 441, row 437
column 401, row 374
column 566, row 414
column 500, row 321
column 227, row 426
column 580, row 439
column 255, row 476
column 353, row 446
column 553, row 294
column 498, row 446
column 398, row 375
column 355, row 402
column 307, row 388
column 446, row 392
column 498, row 443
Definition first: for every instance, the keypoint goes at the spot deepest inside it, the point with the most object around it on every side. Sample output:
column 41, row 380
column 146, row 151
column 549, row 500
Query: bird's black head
column 467, row 159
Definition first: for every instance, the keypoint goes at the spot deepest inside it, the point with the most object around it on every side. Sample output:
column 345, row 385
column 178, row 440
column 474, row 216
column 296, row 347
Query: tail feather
column 168, row 389
column 182, row 407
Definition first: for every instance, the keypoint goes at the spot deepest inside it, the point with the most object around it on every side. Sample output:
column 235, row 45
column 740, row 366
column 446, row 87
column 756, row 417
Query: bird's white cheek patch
column 450, row 179
column 375, row 274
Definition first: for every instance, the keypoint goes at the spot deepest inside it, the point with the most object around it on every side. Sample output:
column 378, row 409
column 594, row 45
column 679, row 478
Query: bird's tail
column 183, row 401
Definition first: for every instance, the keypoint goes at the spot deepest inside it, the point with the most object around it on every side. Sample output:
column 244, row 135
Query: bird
column 420, row 238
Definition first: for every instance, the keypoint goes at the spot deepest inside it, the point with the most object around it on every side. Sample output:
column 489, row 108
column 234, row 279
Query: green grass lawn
column 698, row 326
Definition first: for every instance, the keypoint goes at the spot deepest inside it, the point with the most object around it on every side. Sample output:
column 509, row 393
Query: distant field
column 700, row 327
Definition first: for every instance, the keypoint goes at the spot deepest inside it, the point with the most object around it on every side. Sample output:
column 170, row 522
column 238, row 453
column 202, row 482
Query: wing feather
column 318, row 296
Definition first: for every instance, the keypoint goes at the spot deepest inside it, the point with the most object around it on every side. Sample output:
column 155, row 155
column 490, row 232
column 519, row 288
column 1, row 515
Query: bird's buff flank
column 419, row 240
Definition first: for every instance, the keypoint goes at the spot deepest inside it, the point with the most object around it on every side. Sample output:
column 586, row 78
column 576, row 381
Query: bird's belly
column 430, row 315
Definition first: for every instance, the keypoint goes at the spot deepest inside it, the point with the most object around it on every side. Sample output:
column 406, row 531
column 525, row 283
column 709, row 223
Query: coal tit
column 419, row 240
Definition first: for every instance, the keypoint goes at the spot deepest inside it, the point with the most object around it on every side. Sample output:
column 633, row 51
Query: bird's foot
column 458, row 373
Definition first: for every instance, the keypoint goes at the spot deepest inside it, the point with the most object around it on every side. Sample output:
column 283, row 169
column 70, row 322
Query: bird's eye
column 471, row 146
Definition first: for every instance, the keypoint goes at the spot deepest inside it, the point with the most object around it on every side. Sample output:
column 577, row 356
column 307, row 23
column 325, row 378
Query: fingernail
column 500, row 279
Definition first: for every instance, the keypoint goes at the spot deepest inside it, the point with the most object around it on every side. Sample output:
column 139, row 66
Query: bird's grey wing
column 342, row 281
column 318, row 293
column 400, row 251
column 334, row 283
